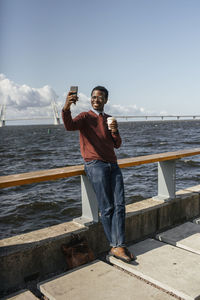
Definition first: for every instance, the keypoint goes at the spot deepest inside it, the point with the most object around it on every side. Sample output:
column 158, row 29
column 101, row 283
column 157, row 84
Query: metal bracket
column 90, row 211
column 166, row 180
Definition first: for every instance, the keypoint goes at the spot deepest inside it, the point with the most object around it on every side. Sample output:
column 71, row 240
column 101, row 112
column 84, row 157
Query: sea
column 37, row 147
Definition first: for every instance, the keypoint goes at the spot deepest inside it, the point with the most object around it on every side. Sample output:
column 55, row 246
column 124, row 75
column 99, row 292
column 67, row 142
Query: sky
column 145, row 52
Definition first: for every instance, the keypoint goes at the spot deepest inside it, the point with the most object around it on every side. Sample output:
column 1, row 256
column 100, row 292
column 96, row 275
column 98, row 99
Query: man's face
column 98, row 100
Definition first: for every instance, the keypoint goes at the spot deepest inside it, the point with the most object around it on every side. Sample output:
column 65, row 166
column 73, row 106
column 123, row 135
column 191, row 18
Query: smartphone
column 74, row 89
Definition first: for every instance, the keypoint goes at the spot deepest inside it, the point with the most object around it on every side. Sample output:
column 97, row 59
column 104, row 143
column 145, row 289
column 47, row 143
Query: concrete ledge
column 149, row 216
column 185, row 207
column 22, row 295
column 195, row 189
column 36, row 255
column 33, row 255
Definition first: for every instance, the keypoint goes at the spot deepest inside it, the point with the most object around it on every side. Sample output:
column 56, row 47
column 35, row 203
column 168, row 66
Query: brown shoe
column 131, row 255
column 122, row 253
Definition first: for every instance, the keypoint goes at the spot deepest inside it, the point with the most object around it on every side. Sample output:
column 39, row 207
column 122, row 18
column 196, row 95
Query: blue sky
column 146, row 52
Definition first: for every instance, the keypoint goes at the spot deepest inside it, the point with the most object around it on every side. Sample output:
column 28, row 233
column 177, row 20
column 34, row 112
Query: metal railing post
column 90, row 212
column 166, row 180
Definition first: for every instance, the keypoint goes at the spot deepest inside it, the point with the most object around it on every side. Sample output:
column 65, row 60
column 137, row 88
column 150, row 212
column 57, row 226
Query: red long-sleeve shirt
column 96, row 141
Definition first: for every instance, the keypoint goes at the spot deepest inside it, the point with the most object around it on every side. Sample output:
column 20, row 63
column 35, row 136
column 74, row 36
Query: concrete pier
column 37, row 255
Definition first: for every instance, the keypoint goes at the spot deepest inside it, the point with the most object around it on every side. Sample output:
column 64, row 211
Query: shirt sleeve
column 116, row 139
column 72, row 124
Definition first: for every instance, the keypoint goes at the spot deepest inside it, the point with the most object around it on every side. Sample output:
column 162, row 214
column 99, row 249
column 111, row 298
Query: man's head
column 99, row 97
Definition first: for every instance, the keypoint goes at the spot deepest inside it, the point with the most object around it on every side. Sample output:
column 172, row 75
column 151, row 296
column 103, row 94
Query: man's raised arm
column 69, row 123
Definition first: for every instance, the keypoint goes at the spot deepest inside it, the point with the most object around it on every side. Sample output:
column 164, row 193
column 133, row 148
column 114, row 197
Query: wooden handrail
column 58, row 173
column 147, row 159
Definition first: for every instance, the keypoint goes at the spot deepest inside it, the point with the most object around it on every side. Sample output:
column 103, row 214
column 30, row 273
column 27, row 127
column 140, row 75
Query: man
column 97, row 145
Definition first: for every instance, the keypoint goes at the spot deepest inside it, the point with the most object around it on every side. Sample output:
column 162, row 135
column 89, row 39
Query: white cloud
column 124, row 110
column 23, row 101
column 20, row 98
column 114, row 109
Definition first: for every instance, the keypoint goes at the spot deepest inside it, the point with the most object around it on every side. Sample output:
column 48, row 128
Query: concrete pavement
column 99, row 280
column 22, row 295
column 164, row 269
column 185, row 236
column 168, row 267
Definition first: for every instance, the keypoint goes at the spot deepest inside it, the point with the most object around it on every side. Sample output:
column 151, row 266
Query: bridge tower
column 2, row 115
column 55, row 113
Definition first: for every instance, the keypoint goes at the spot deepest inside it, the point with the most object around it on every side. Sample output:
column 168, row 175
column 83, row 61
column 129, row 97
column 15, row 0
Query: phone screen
column 74, row 89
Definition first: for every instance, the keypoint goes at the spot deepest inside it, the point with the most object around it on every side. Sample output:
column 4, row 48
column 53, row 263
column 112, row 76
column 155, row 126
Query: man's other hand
column 114, row 126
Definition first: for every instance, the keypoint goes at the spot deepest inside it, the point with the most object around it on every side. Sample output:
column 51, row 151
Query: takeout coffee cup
column 109, row 121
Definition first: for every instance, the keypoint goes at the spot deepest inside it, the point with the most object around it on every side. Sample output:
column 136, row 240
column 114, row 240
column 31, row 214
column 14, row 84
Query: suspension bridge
column 159, row 117
column 55, row 115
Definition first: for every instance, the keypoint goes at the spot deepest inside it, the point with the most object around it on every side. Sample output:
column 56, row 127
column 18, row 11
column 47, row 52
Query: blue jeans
column 107, row 181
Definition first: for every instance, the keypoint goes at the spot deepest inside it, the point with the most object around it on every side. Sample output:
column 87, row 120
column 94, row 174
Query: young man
column 97, row 145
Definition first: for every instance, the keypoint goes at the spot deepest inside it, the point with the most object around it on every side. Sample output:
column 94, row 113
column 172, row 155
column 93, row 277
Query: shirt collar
column 97, row 112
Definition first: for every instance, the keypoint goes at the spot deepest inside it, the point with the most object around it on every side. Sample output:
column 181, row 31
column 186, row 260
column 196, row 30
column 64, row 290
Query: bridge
column 55, row 115
column 56, row 118
column 161, row 117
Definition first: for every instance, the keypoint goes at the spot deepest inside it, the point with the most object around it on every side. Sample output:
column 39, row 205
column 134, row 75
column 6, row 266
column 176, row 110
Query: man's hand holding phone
column 72, row 97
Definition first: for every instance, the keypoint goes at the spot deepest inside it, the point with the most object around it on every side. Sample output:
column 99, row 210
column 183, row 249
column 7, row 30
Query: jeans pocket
column 90, row 163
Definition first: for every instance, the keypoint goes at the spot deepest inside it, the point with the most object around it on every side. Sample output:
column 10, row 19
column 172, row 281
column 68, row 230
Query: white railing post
column 166, row 180
column 90, row 212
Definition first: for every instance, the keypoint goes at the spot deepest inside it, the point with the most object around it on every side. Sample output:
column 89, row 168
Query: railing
column 166, row 178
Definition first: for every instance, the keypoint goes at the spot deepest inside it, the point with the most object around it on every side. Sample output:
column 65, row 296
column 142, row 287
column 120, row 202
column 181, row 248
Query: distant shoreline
column 119, row 121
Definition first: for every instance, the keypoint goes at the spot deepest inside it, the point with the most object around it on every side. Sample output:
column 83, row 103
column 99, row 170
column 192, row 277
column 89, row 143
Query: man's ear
column 105, row 101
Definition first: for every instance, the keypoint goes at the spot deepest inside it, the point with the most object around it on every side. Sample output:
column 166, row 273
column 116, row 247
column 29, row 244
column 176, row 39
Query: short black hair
column 102, row 89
